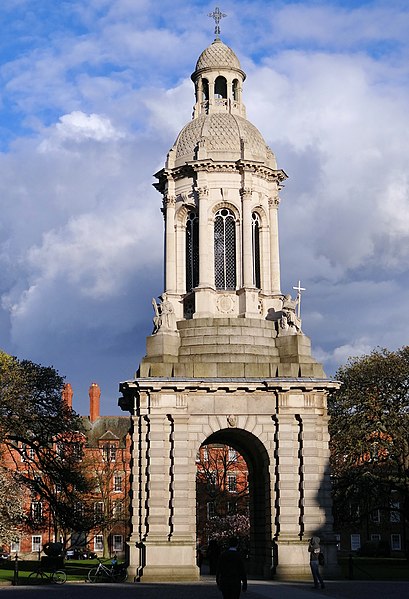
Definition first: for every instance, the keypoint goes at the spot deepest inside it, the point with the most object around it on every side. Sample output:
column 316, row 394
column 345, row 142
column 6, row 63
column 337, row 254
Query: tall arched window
column 192, row 251
column 225, row 249
column 255, row 230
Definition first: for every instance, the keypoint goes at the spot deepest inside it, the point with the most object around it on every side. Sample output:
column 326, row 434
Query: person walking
column 315, row 551
column 231, row 575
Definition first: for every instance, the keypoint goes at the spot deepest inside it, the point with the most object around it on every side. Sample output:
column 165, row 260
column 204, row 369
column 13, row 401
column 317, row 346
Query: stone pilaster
column 273, row 204
column 170, row 244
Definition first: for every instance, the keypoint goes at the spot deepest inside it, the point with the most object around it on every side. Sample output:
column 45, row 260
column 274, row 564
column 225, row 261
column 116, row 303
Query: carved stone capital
column 274, row 201
column 246, row 193
column 169, row 200
column 203, row 192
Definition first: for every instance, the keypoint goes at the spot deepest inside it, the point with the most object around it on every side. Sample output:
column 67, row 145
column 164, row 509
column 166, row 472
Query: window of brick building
column 396, row 542
column 355, row 542
column 211, row 512
column 109, row 452
column 98, row 543
column 117, row 542
column 36, row 543
column 36, row 511
column 118, row 483
column 232, row 483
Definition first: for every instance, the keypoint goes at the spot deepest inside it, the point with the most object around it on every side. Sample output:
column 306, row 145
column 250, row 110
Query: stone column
column 139, row 498
column 169, row 203
column 204, row 269
column 247, row 249
column 273, row 204
column 292, row 557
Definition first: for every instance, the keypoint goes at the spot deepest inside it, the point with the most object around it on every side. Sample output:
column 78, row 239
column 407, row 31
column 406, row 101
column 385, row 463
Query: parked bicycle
column 40, row 576
column 114, row 572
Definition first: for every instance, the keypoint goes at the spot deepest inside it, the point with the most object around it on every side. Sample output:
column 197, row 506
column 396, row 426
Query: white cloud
column 79, row 126
column 91, row 113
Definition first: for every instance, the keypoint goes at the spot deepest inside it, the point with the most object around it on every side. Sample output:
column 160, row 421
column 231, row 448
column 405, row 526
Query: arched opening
column 255, row 233
column 205, row 90
column 220, row 87
column 233, row 496
column 235, row 89
column 225, row 249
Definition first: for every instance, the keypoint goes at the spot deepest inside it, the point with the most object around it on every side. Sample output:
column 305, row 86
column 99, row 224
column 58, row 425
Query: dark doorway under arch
column 260, row 507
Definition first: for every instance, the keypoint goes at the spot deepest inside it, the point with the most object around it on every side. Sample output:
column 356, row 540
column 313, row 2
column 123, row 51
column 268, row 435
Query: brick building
column 104, row 450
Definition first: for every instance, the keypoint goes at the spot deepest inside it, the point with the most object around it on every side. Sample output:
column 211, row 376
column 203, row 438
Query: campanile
column 227, row 361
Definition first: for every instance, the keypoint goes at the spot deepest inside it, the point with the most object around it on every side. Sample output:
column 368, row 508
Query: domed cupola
column 218, row 80
column 217, row 55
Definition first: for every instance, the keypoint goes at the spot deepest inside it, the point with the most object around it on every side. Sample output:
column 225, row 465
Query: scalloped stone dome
column 217, row 55
column 223, row 133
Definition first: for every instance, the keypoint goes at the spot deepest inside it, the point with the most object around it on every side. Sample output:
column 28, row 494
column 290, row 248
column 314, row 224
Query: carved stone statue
column 164, row 318
column 289, row 310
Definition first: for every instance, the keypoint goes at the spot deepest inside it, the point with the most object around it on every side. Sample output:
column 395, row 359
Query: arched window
column 220, row 87
column 224, row 249
column 192, row 251
column 205, row 90
column 255, row 230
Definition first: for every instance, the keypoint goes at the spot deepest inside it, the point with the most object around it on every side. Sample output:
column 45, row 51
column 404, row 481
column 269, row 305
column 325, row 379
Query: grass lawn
column 75, row 569
column 375, row 568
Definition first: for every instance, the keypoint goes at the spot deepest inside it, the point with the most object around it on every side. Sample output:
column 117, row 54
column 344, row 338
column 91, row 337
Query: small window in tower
column 192, row 251
column 220, row 87
column 225, row 250
column 255, row 226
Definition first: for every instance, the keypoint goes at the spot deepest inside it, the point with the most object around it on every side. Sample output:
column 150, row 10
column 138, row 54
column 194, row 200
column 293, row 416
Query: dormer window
column 109, row 452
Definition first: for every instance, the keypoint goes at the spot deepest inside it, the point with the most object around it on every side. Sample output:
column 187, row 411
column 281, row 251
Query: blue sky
column 92, row 96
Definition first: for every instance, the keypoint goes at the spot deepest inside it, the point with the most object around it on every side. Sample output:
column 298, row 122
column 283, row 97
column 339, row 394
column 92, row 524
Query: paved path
column 206, row 589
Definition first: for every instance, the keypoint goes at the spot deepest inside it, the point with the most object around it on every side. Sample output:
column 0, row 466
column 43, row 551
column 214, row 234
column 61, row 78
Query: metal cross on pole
column 217, row 16
column 299, row 289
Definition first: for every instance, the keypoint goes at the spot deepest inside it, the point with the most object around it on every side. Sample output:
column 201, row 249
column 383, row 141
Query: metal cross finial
column 299, row 289
column 217, row 16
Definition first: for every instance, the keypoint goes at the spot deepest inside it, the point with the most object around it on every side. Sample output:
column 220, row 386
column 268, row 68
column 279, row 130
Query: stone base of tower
column 229, row 347
column 161, row 561
column 237, row 382
column 294, row 561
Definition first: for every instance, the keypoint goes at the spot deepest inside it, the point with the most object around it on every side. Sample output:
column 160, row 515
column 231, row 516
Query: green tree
column 12, row 515
column 369, row 437
column 39, row 430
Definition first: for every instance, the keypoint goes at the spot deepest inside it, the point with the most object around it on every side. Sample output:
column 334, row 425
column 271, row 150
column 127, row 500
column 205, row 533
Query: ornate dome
column 218, row 55
column 222, row 134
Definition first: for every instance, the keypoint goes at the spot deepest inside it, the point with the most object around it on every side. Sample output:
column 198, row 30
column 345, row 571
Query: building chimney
column 94, row 395
column 67, row 394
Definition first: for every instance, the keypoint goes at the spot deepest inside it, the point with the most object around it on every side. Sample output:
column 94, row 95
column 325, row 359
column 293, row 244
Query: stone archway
column 279, row 426
column 258, row 464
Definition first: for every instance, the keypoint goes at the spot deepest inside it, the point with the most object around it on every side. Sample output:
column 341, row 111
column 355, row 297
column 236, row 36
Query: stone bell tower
column 227, row 361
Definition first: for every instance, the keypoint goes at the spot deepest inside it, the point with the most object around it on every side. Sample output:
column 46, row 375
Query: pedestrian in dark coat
column 314, row 550
column 231, row 575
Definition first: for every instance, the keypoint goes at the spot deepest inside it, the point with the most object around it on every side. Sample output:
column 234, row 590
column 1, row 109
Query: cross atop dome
column 217, row 15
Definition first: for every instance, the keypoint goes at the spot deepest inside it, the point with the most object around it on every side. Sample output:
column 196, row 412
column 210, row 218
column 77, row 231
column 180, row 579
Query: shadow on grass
column 75, row 569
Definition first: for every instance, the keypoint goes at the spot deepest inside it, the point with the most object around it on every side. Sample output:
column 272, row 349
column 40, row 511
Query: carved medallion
column 225, row 304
